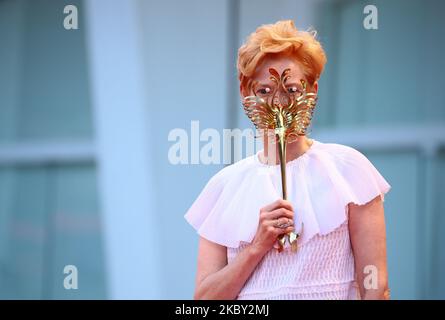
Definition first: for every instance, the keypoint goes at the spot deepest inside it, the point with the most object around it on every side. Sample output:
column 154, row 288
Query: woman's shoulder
column 345, row 157
column 354, row 170
column 232, row 170
column 214, row 212
column 341, row 150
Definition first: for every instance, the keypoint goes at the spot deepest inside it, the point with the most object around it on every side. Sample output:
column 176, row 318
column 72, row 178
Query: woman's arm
column 368, row 239
column 215, row 278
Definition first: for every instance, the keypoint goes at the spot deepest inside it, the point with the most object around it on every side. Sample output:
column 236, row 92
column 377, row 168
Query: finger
column 280, row 203
column 280, row 231
column 278, row 213
column 276, row 223
column 286, row 230
column 283, row 223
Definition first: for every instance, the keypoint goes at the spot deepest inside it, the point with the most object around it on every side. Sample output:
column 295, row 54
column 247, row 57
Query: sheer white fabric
column 321, row 183
column 322, row 269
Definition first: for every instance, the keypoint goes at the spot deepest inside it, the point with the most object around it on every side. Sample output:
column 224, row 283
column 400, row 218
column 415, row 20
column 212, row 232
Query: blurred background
column 85, row 116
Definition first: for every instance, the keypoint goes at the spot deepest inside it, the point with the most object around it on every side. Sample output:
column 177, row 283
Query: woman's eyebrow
column 291, row 83
column 265, row 84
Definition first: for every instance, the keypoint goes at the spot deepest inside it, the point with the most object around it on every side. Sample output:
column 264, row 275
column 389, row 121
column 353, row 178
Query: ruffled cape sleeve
column 227, row 209
column 321, row 184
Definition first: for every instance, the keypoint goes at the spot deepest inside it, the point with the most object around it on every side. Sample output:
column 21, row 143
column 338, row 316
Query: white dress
column 321, row 183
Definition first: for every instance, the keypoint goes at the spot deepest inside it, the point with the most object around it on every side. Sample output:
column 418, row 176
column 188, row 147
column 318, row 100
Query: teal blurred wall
column 381, row 92
column 386, row 87
column 49, row 213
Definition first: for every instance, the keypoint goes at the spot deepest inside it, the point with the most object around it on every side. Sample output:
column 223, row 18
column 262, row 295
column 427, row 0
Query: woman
column 333, row 190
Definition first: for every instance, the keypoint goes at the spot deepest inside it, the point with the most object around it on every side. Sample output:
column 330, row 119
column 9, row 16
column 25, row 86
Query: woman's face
column 265, row 85
column 270, row 83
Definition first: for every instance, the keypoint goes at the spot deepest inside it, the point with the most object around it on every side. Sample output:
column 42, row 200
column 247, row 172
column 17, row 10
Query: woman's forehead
column 280, row 64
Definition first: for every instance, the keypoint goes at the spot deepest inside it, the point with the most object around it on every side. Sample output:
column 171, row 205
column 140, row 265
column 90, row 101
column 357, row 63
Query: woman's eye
column 264, row 91
column 292, row 90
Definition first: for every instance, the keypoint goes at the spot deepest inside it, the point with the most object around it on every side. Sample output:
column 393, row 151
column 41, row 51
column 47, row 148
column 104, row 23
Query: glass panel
column 76, row 238
column 23, row 213
column 49, row 218
column 44, row 91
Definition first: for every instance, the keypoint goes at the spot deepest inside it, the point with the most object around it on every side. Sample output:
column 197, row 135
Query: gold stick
column 281, row 137
column 282, row 154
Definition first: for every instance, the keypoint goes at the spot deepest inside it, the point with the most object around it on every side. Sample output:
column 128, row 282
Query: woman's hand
column 272, row 216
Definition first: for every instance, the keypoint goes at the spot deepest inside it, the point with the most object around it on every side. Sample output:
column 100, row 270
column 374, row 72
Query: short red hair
column 280, row 38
